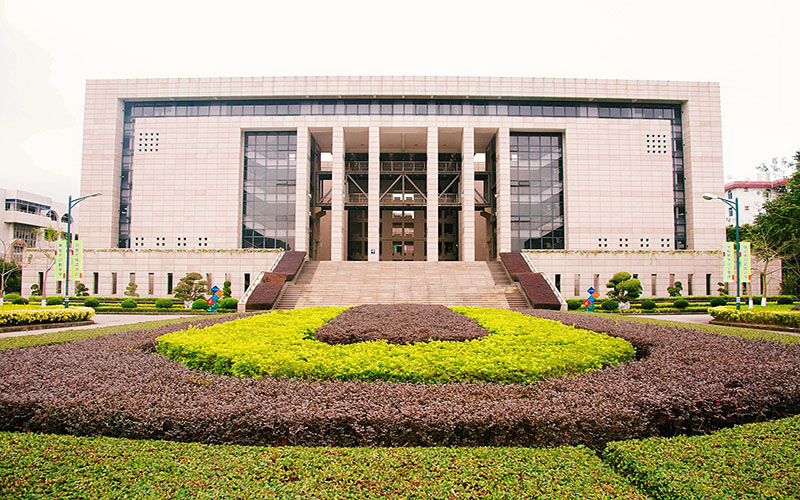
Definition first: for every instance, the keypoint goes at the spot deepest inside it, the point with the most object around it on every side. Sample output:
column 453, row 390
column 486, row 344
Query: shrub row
column 30, row 316
column 290, row 264
column 686, row 382
column 520, row 349
column 90, row 467
column 515, row 264
column 778, row 318
column 538, row 291
column 749, row 461
column 267, row 292
column 399, row 324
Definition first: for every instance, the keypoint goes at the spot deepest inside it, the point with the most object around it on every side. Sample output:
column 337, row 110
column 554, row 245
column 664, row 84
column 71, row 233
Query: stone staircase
column 450, row 283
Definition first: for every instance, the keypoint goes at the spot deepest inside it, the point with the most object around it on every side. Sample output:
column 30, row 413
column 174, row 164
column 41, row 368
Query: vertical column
column 467, row 229
column 303, row 169
column 432, row 215
column 373, row 192
column 337, row 196
column 503, row 190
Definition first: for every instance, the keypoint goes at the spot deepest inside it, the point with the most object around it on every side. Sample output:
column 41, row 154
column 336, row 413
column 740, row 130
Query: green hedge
column 522, row 349
column 757, row 316
column 26, row 315
column 748, row 461
column 54, row 466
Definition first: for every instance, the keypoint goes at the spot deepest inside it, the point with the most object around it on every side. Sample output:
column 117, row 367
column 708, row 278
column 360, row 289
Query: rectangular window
column 246, row 281
column 95, row 283
column 596, row 282
column 558, row 282
column 113, row 283
column 209, row 283
column 577, row 286
column 58, row 287
column 169, row 283
column 708, row 284
column 132, row 278
column 151, row 283
column 690, row 285
column 41, row 281
column 653, row 285
column 763, row 282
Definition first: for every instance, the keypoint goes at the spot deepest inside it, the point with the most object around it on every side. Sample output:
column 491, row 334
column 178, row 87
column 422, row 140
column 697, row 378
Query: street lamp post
column 734, row 204
column 71, row 204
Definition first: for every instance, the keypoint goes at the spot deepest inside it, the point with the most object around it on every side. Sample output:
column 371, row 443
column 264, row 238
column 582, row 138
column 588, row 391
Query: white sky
column 49, row 48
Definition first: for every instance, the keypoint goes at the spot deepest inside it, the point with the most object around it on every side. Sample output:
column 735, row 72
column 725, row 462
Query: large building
column 589, row 177
column 752, row 196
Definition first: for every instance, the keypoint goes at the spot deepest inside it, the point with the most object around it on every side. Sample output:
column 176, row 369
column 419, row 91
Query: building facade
column 752, row 195
column 400, row 168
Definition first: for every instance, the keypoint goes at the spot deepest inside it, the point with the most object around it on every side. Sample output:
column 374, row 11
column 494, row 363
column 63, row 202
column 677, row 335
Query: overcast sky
column 49, row 48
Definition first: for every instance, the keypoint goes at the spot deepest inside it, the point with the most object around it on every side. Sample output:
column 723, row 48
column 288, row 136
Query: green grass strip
column 748, row 461
column 84, row 333
column 49, row 466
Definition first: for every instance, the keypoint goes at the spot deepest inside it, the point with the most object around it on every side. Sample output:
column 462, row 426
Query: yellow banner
column 728, row 262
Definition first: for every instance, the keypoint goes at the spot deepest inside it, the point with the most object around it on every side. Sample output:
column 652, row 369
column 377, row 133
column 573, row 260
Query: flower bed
column 686, row 382
column 33, row 315
column 399, row 324
column 521, row 349
column 774, row 315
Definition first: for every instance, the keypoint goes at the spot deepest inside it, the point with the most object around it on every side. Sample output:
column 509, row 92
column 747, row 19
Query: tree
column 9, row 269
column 777, row 232
column 226, row 289
column 81, row 290
column 779, row 168
column 624, row 288
column 190, row 288
column 130, row 291
column 45, row 254
column 675, row 290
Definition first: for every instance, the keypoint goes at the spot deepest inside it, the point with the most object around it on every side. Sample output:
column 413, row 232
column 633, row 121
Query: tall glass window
column 268, row 194
column 537, row 192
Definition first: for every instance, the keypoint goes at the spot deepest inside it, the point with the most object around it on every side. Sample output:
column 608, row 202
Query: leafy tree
column 624, row 288
column 45, row 253
column 226, row 289
column 675, row 290
column 130, row 291
column 81, row 290
column 9, row 269
column 722, row 288
column 191, row 287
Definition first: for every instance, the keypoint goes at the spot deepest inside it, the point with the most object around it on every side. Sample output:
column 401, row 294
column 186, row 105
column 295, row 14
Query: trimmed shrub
column 54, row 301
column 681, row 304
column 609, row 305
column 267, row 292
column 92, row 302
column 784, row 300
column 574, row 304
column 128, row 304
column 521, row 348
column 11, row 297
column 228, row 303
column 515, row 264
column 290, row 264
column 648, row 305
column 17, row 317
column 20, row 301
column 718, row 301
column 538, row 291
column 164, row 303
column 200, row 304
column 729, row 314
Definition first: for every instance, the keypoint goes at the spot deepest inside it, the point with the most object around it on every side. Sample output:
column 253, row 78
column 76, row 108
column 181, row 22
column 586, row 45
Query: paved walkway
column 100, row 320
column 701, row 319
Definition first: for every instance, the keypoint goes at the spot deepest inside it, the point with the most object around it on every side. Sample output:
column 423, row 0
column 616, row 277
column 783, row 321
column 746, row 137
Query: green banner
column 744, row 261
column 729, row 262
column 60, row 266
column 76, row 264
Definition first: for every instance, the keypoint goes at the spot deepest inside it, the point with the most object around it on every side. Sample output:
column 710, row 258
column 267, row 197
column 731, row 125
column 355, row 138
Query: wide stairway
column 450, row 283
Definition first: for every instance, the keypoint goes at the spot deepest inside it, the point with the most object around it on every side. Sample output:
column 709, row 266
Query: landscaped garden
column 569, row 388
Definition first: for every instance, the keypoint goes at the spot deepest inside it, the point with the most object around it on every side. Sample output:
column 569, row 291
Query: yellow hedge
column 38, row 315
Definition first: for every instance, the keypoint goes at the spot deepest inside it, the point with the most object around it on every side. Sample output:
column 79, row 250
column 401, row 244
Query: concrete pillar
column 303, row 163
column 467, row 229
column 433, row 195
column 337, row 196
column 503, row 190
column 373, row 192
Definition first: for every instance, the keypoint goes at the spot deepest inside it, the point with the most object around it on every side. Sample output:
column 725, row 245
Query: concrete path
column 100, row 320
column 700, row 319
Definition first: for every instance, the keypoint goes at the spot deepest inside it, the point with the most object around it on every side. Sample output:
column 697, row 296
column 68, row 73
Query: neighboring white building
column 752, row 196
column 588, row 177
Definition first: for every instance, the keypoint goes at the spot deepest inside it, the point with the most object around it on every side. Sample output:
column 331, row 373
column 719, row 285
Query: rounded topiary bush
column 648, row 305
column 128, row 304
column 609, row 305
column 784, row 300
column 573, row 304
column 718, row 301
column 20, row 301
column 91, row 302
column 10, row 297
column 681, row 303
column 164, row 303
column 228, row 303
column 200, row 305
column 54, row 301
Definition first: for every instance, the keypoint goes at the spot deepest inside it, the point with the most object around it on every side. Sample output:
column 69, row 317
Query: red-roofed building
column 752, row 196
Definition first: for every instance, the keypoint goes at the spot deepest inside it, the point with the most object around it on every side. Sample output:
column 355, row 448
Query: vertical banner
column 744, row 262
column 729, row 261
column 76, row 264
column 60, row 266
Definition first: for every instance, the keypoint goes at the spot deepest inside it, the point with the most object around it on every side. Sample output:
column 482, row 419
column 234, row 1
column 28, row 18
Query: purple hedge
column 515, row 264
column 290, row 264
column 267, row 292
column 538, row 291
